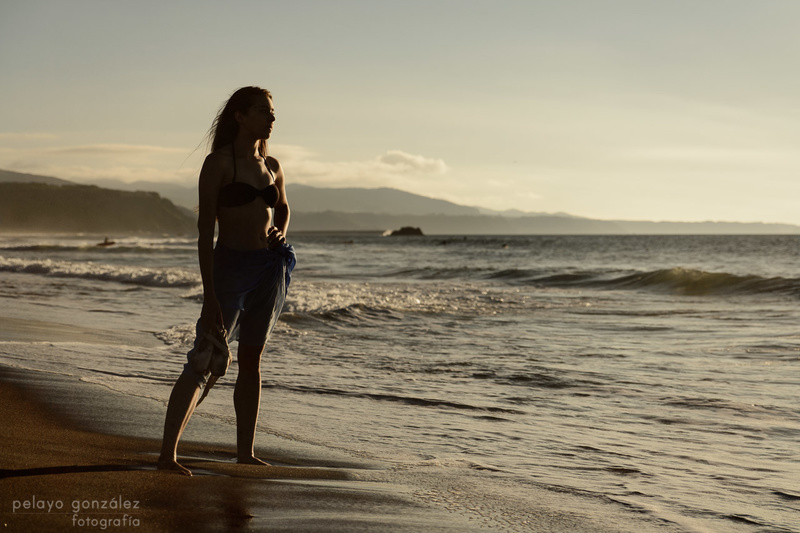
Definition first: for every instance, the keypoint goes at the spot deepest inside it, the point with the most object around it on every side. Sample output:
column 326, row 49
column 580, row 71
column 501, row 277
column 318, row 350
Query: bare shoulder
column 219, row 160
column 273, row 164
column 216, row 166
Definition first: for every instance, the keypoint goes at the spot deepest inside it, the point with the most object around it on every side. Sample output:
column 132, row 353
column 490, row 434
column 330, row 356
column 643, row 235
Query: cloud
column 131, row 162
column 91, row 174
column 85, row 163
column 397, row 161
column 113, row 150
column 291, row 152
column 394, row 168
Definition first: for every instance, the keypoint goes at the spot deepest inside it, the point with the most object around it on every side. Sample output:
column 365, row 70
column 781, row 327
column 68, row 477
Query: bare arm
column 210, row 179
column 282, row 211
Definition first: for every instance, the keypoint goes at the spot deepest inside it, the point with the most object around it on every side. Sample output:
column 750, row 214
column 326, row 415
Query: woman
column 245, row 276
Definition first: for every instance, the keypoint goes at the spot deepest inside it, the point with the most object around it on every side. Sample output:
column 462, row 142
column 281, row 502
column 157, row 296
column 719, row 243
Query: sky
column 631, row 110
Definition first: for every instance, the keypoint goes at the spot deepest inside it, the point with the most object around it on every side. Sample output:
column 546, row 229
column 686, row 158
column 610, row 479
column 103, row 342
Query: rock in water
column 406, row 230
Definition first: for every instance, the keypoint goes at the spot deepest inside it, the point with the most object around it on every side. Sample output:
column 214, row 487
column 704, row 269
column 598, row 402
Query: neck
column 247, row 146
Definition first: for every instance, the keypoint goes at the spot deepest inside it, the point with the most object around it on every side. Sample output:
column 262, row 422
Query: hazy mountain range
column 359, row 209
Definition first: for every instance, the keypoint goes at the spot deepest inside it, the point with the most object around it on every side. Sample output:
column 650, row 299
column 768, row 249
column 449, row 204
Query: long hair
column 225, row 128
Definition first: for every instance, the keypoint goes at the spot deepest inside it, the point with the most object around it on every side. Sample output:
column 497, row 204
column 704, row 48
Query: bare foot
column 252, row 460
column 172, row 464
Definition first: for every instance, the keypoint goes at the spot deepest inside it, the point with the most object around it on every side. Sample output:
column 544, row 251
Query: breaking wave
column 685, row 281
column 698, row 282
column 148, row 277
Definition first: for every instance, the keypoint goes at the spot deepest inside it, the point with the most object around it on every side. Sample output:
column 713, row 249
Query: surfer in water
column 245, row 275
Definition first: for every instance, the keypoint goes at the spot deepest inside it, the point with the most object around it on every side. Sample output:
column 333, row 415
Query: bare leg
column 246, row 401
column 182, row 402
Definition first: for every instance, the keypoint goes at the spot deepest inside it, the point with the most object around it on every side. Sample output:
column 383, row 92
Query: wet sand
column 67, row 445
column 73, row 457
column 52, row 468
column 71, row 460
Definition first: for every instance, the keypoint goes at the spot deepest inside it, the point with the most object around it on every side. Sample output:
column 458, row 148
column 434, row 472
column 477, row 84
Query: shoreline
column 69, row 444
column 51, row 467
column 68, row 439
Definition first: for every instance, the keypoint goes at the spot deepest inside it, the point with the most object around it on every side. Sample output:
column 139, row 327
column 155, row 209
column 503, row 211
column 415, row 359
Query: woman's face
column 259, row 118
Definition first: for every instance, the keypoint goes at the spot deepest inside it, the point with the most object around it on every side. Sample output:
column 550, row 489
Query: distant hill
column 453, row 224
column 307, row 199
column 42, row 207
column 181, row 195
column 516, row 213
column 358, row 209
column 384, row 201
column 7, row 176
column 524, row 225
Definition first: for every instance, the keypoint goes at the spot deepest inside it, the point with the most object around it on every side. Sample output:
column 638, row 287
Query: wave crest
column 700, row 283
column 147, row 277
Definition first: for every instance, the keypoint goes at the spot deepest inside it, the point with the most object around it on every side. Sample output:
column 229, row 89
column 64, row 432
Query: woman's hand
column 211, row 316
column 274, row 237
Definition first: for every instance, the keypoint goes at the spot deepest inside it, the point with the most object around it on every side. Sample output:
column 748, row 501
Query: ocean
column 654, row 374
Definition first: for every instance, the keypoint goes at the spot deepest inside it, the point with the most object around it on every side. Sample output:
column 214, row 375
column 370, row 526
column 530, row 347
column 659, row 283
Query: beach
column 606, row 383
column 73, row 458
column 56, row 474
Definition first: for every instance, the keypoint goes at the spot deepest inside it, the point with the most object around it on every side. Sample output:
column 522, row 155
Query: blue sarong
column 250, row 286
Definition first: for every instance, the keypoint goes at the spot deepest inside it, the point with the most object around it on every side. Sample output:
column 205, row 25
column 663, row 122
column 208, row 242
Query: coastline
column 67, row 440
column 52, row 467
column 68, row 444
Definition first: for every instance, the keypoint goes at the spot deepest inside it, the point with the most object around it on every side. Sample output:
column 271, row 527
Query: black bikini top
column 238, row 193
